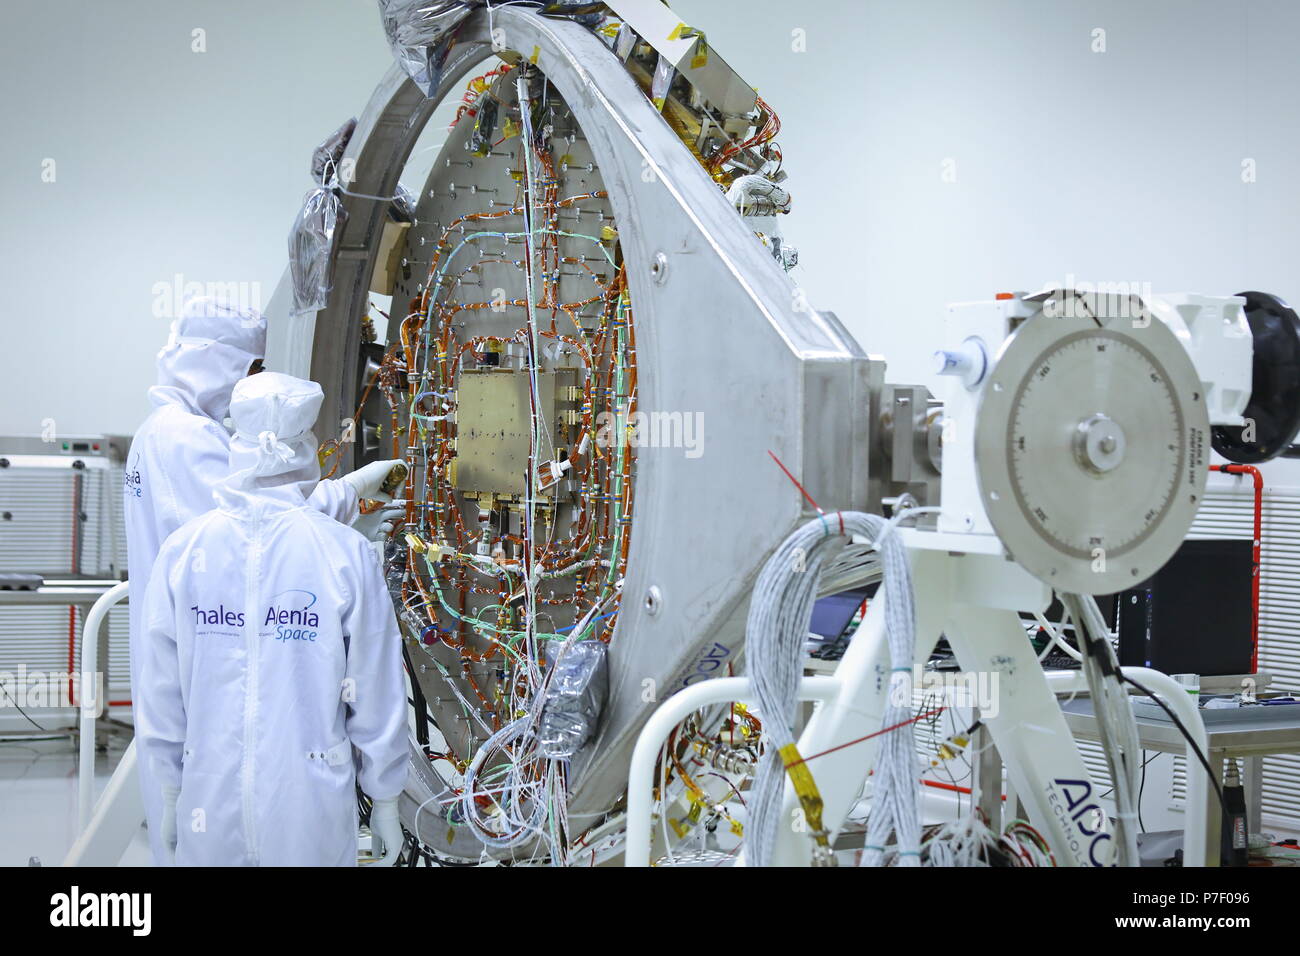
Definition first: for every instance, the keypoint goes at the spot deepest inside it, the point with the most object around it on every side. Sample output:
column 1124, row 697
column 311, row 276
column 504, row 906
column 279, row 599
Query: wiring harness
column 495, row 582
column 779, row 614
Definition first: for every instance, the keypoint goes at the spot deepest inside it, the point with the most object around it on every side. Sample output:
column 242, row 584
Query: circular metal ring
column 1090, row 449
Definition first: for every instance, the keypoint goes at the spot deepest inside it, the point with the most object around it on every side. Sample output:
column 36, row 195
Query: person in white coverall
column 270, row 653
column 181, row 452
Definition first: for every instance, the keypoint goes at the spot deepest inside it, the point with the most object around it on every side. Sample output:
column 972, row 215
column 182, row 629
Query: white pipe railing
column 90, row 702
column 119, row 811
column 1180, row 702
column 640, row 775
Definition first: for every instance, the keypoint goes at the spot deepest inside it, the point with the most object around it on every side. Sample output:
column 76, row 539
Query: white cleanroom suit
column 182, row 451
column 271, row 659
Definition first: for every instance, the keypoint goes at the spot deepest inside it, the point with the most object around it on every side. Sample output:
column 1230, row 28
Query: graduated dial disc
column 1090, row 449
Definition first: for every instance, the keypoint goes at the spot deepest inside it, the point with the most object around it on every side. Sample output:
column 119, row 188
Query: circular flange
column 1090, row 448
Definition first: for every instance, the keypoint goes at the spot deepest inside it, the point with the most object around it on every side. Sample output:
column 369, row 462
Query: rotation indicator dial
column 1090, row 449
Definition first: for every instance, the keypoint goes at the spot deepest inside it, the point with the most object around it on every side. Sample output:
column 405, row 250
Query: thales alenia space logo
column 288, row 617
column 291, row 616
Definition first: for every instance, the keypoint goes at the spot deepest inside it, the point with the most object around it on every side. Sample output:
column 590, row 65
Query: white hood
column 273, row 461
column 210, row 348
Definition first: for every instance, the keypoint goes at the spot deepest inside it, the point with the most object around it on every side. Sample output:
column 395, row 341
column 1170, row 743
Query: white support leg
column 982, row 624
column 1200, row 840
column 117, row 817
column 1026, row 723
column 973, row 600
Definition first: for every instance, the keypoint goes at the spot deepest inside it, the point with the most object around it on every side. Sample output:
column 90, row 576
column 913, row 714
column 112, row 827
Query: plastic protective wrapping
column 310, row 242
column 418, row 31
column 760, row 201
column 327, row 157
column 485, row 125
column 662, row 81
column 312, row 237
column 758, row 196
column 575, row 697
column 403, row 206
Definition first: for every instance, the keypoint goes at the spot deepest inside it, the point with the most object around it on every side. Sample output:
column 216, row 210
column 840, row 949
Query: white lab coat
column 179, row 455
column 270, row 652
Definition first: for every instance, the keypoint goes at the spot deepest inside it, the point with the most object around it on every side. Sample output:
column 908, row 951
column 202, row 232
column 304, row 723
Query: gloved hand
column 168, row 832
column 386, row 830
column 379, row 523
column 368, row 478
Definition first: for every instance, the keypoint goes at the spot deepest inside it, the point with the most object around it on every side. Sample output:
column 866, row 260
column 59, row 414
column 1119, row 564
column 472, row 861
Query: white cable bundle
column 965, row 842
column 779, row 615
column 527, row 789
column 895, row 797
column 519, row 799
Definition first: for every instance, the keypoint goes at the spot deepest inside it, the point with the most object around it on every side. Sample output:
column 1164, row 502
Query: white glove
column 379, row 524
column 367, row 479
column 168, row 833
column 386, row 831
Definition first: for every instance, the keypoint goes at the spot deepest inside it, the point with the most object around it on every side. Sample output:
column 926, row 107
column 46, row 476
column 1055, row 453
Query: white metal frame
column 971, row 600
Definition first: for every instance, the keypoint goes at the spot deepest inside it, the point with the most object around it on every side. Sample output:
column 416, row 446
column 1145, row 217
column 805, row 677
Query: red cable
column 883, row 730
column 954, row 787
column 795, row 481
column 72, row 650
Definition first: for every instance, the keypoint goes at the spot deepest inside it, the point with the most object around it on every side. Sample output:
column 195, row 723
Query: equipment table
column 1251, row 740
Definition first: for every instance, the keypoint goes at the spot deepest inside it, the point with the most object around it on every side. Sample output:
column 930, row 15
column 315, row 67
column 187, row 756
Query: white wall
column 1122, row 165
column 168, row 161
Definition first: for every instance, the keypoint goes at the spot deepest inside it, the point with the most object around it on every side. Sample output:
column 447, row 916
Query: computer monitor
column 832, row 614
column 1195, row 615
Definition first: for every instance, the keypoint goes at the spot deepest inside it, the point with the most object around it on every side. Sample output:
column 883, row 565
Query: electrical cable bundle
column 970, row 842
column 964, row 842
column 779, row 615
column 1026, row 845
column 526, row 789
column 494, row 604
column 1116, row 726
column 519, row 800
